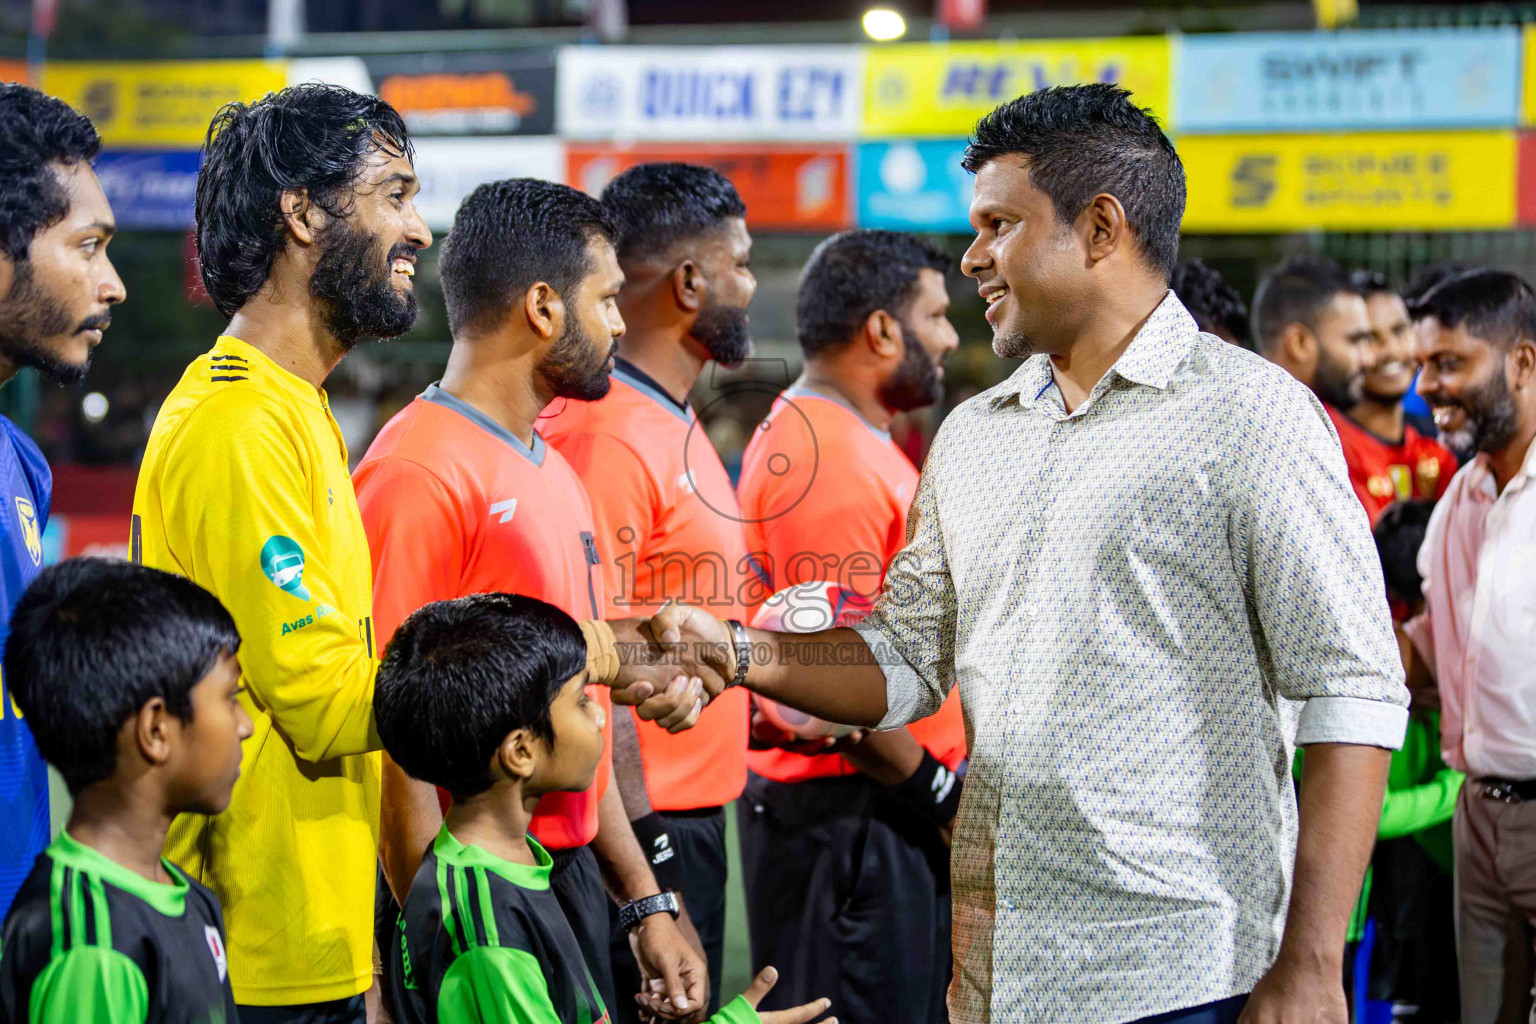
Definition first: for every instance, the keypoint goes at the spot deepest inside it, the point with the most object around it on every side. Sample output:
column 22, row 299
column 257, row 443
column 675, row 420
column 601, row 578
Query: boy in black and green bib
column 127, row 677
column 483, row 696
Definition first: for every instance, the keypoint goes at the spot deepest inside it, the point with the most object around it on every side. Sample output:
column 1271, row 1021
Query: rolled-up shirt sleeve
column 1314, row 581
column 911, row 630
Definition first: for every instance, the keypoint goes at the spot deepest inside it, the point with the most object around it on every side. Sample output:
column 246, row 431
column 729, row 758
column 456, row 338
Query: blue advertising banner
column 915, row 185
column 150, row 190
column 1301, row 81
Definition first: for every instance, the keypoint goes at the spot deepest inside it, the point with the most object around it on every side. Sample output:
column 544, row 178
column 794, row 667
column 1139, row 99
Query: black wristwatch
column 633, row 912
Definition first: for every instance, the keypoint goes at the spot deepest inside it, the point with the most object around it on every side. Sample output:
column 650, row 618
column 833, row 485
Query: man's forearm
column 889, row 758
column 409, row 819
column 832, row 674
column 1340, row 804
column 626, row 874
column 628, row 769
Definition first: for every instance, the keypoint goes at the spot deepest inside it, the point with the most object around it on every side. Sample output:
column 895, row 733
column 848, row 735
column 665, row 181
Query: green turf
column 737, row 971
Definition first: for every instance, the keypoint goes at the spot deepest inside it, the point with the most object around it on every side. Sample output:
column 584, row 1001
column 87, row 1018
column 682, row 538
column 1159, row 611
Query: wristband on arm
column 660, row 851
column 933, row 791
column 602, row 652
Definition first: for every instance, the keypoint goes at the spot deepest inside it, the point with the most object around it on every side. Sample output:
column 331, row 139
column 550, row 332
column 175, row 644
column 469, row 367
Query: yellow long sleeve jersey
column 244, row 489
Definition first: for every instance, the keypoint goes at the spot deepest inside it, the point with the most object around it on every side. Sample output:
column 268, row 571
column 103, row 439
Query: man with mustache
column 308, row 235
column 1308, row 319
column 844, row 849
column 1476, row 638
column 461, row 495
column 1388, row 459
column 57, row 289
column 1124, row 557
column 667, row 520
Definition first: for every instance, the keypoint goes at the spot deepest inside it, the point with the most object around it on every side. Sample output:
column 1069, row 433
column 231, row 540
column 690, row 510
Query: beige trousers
column 1495, row 907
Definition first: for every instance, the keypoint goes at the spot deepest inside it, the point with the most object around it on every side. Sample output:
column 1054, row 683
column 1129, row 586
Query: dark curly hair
column 1217, row 307
column 1081, row 140
column 309, row 137
column 36, row 131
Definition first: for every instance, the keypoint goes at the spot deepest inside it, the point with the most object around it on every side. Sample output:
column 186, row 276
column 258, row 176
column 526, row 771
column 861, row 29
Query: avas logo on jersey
column 283, row 561
column 216, row 947
column 29, row 531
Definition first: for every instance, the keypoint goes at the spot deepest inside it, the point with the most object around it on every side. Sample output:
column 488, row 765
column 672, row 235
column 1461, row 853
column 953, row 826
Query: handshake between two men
column 671, row 665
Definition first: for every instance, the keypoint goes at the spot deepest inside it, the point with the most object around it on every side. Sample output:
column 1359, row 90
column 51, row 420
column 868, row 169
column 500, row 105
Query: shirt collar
column 799, row 390
column 1150, row 359
column 647, row 385
column 437, row 396
column 237, row 358
column 1483, row 481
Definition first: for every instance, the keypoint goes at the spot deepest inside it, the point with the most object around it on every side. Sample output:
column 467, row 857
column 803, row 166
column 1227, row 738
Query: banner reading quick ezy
column 1300, row 81
column 714, row 93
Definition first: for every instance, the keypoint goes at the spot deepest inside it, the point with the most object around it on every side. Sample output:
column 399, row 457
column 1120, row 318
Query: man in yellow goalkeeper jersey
column 308, row 239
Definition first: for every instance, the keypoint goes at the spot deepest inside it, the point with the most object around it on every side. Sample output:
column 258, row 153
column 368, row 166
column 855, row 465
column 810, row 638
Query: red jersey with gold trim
column 667, row 526
column 1414, row 469
column 825, row 495
column 455, row 504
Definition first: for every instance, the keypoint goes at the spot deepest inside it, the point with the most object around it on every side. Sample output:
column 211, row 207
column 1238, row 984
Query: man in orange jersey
column 667, row 521
column 1388, row 459
column 847, row 871
column 460, row 495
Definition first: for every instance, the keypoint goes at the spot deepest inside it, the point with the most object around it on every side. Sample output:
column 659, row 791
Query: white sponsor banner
column 350, row 72
column 450, row 169
column 651, row 93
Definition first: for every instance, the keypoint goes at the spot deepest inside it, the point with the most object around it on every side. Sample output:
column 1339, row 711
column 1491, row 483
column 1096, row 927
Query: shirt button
column 1008, row 905
column 1031, row 610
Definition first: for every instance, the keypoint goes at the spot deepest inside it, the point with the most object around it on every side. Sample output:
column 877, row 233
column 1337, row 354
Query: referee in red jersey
column 667, row 521
column 845, row 853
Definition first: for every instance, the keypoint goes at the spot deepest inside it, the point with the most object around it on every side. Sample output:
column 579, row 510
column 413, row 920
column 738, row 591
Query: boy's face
column 205, row 760
column 571, row 764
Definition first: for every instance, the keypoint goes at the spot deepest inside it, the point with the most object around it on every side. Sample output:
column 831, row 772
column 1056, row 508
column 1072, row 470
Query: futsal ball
column 805, row 608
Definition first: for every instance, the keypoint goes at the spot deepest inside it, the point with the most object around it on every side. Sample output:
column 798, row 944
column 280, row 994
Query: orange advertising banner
column 786, row 188
column 13, row 70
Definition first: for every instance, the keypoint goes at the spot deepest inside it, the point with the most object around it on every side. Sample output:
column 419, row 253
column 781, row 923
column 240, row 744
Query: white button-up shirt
column 1479, row 627
column 1129, row 597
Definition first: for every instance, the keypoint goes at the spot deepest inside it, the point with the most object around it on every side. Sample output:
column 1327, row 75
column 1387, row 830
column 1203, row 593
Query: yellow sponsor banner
column 923, row 89
column 160, row 104
column 1401, row 181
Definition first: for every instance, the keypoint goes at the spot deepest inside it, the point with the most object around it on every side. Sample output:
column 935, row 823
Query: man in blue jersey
column 57, row 289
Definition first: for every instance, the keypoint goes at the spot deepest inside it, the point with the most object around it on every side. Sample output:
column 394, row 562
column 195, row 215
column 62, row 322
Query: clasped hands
column 671, row 665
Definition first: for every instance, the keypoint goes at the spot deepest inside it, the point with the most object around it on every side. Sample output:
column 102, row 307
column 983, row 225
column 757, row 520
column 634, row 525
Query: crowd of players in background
column 1358, row 342
column 556, row 459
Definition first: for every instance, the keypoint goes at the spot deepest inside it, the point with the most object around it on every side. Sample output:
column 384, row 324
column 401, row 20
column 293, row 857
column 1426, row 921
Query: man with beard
column 1388, row 459
column 57, row 289
column 1124, row 556
column 844, row 851
column 667, row 520
column 308, row 238
column 1308, row 319
column 1476, row 638
column 461, row 495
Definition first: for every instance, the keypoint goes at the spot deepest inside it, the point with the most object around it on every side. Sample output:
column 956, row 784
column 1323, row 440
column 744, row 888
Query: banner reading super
column 1392, row 181
column 920, row 89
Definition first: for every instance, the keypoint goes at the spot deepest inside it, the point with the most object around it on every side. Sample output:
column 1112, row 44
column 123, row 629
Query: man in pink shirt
column 1477, row 636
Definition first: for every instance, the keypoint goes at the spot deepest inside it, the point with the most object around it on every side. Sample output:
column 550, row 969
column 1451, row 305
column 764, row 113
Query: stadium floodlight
column 883, row 24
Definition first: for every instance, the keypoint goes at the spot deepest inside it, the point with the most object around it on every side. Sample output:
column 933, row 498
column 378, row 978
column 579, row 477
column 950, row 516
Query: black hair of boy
column 92, row 641
column 460, row 675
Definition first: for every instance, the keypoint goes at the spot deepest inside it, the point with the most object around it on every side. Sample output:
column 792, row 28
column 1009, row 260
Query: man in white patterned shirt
column 1132, row 556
